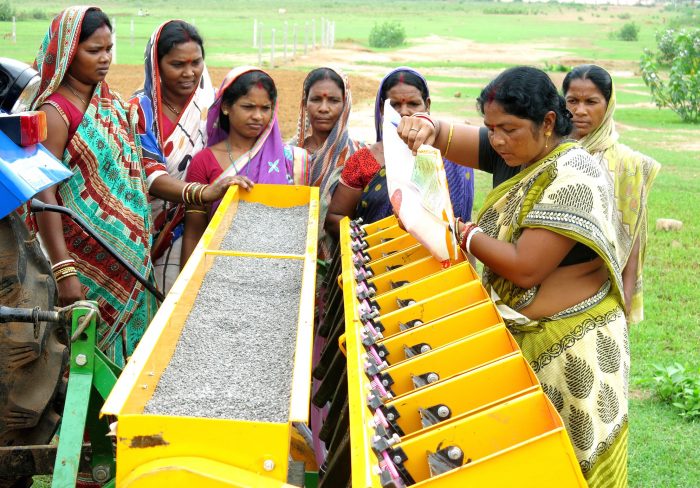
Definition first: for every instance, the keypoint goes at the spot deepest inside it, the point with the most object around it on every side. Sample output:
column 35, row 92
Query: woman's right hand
column 69, row 291
column 217, row 190
column 416, row 131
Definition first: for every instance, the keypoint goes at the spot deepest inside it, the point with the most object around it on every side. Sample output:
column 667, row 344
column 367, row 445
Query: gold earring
column 225, row 112
column 546, row 142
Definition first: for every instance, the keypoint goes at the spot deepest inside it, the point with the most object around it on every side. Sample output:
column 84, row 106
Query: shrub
column 624, row 16
column 629, row 32
column 679, row 87
column 388, row 34
column 6, row 11
column 679, row 388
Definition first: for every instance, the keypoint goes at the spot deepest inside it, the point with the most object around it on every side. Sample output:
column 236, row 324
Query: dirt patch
column 126, row 79
column 640, row 394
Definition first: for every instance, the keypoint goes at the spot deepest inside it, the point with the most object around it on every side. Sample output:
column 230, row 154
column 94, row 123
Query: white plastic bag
column 418, row 191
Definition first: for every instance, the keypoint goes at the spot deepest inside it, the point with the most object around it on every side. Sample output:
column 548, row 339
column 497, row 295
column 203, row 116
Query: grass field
column 664, row 448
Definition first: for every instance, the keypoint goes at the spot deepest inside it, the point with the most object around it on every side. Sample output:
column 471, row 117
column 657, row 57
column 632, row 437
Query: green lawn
column 663, row 447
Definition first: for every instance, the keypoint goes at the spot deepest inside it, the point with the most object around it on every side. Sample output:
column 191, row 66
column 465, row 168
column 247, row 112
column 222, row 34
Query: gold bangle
column 66, row 275
column 196, row 211
column 449, row 139
column 199, row 201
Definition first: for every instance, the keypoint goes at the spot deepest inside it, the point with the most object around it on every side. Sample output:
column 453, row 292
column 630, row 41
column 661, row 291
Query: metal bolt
column 424, row 348
column 101, row 473
column 81, row 359
column 443, row 411
column 432, row 377
column 268, row 465
column 390, row 416
column 397, row 459
column 454, row 453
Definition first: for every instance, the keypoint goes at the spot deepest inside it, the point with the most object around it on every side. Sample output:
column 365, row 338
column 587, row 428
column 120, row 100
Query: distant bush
column 388, row 34
column 629, row 32
column 556, row 67
column 34, row 14
column 624, row 16
column 512, row 10
column 679, row 89
column 6, row 11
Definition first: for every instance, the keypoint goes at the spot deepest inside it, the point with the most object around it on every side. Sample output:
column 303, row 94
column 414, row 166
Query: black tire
column 33, row 359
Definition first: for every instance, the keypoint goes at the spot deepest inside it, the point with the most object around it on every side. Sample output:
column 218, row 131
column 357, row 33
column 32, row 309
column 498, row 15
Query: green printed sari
column 581, row 354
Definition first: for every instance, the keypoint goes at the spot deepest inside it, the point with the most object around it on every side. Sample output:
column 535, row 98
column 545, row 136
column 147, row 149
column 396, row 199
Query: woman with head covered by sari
column 244, row 143
column 322, row 130
column 548, row 237
column 590, row 97
column 172, row 108
column 93, row 132
column 363, row 189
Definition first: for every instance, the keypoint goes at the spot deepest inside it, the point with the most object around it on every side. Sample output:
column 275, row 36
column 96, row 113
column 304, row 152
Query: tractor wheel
column 33, row 357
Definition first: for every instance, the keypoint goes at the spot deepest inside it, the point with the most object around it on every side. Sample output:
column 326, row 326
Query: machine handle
column 39, row 206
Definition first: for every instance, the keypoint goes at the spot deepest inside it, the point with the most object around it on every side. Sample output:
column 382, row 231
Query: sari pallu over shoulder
column 566, row 192
column 269, row 161
column 108, row 191
column 326, row 163
column 169, row 153
column 633, row 174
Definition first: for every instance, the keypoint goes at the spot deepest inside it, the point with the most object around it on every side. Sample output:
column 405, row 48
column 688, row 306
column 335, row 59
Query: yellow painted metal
column 392, row 246
column 384, row 235
column 454, row 358
column 408, row 255
column 435, row 307
column 508, row 430
column 195, row 472
column 442, row 331
column 235, row 443
column 380, row 225
column 411, row 272
column 364, row 461
column 516, row 443
column 424, row 288
column 467, row 392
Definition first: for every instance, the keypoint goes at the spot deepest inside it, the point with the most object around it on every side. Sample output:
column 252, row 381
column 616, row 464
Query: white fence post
column 323, row 32
column 294, row 46
column 260, row 44
column 114, row 40
column 14, row 30
column 255, row 33
column 286, row 29
column 272, row 50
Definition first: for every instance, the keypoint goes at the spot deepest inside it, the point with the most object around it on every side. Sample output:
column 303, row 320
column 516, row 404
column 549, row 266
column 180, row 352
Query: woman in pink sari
column 244, row 142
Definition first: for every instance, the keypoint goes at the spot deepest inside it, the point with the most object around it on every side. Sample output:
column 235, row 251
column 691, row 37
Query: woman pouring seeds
column 548, row 240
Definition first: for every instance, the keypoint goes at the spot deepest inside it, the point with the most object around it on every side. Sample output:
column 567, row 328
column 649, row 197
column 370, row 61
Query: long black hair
column 177, row 32
column 527, row 93
column 94, row 19
column 241, row 87
column 598, row 76
column 320, row 74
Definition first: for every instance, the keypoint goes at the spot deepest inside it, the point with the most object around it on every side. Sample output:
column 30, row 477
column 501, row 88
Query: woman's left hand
column 216, row 191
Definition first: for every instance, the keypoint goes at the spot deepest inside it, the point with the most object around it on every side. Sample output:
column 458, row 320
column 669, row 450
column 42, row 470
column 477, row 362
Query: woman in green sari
column 590, row 97
column 548, row 238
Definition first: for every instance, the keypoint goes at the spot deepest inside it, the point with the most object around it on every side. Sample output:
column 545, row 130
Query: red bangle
column 423, row 115
column 463, row 238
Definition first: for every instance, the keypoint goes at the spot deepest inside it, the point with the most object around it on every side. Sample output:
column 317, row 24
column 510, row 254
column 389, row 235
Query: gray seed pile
column 235, row 356
column 260, row 228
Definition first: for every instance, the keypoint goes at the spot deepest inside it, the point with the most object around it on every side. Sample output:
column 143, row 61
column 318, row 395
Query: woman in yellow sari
column 548, row 240
column 590, row 97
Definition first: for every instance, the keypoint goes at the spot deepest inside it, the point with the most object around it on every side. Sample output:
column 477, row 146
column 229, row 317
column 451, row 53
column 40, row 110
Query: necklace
column 233, row 163
column 74, row 92
column 172, row 109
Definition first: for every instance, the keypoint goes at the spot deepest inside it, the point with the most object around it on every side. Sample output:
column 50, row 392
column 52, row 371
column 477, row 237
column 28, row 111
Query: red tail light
column 25, row 129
